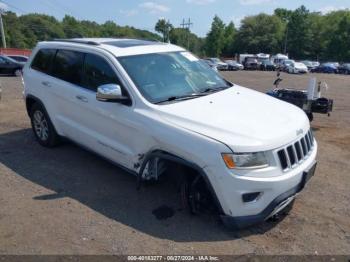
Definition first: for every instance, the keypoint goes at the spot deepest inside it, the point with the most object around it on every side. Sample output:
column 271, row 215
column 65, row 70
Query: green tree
column 183, row 37
column 229, row 45
column 339, row 44
column 215, row 41
column 163, row 27
column 260, row 33
column 299, row 43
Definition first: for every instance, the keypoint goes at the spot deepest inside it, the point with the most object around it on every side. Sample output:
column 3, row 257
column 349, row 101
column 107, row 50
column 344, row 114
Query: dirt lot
column 69, row 201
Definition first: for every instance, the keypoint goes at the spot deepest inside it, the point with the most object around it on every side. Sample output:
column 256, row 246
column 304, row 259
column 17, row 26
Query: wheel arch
column 30, row 101
column 164, row 155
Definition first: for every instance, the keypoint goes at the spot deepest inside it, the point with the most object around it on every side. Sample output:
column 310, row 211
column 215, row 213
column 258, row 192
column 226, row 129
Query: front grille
column 295, row 153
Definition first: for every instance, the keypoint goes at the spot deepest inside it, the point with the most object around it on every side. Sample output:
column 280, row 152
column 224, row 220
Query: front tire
column 42, row 126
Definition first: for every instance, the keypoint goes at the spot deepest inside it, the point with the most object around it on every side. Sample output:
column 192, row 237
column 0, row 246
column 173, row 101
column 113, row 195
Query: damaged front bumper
column 276, row 206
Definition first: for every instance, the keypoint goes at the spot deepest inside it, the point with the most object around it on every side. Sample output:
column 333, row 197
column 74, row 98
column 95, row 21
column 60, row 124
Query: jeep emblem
column 299, row 132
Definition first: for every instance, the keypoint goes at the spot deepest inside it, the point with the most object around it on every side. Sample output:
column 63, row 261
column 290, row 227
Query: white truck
column 149, row 107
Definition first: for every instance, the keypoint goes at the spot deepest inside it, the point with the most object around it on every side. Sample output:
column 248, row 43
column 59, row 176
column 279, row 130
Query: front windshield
column 162, row 76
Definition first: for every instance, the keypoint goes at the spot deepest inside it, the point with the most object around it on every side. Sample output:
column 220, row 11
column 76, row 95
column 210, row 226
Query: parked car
column 19, row 58
column 315, row 64
column 234, row 65
column 222, row 66
column 278, row 60
column 267, row 65
column 344, row 69
column 152, row 108
column 8, row 66
column 210, row 63
column 310, row 65
column 242, row 57
column 328, row 68
column 250, row 63
column 297, row 68
column 336, row 64
column 285, row 64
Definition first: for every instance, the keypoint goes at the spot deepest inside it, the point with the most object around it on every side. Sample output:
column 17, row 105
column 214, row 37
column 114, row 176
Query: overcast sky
column 144, row 14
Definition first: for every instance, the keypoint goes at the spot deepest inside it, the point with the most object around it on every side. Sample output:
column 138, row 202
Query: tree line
column 300, row 33
column 26, row 30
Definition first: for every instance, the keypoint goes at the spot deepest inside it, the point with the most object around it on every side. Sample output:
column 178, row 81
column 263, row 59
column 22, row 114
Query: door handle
column 82, row 98
column 46, row 83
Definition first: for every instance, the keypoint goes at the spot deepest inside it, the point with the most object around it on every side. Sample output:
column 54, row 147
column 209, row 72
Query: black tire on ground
column 310, row 116
column 42, row 126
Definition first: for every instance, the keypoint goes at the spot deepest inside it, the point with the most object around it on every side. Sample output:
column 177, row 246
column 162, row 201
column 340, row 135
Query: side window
column 68, row 66
column 98, row 72
column 2, row 61
column 42, row 60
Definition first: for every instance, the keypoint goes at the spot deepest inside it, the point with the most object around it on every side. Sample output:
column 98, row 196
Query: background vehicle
column 336, row 64
column 218, row 63
column 242, row 57
column 10, row 66
column 344, row 69
column 328, row 68
column 297, row 68
column 210, row 63
column 278, row 60
column 250, row 63
column 234, row 65
column 310, row 65
column 267, row 65
column 315, row 63
column 19, row 58
column 285, row 64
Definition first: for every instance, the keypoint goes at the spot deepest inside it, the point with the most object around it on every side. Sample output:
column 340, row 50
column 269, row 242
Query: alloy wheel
column 40, row 125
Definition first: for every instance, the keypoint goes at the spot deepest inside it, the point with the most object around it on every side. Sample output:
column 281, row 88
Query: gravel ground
column 69, row 201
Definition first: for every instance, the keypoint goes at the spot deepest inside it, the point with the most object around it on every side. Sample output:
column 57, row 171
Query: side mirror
column 111, row 93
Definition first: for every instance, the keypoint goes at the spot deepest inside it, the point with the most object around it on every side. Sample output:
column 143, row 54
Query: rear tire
column 42, row 126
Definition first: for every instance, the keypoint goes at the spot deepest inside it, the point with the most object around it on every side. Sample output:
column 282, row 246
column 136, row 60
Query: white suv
column 150, row 107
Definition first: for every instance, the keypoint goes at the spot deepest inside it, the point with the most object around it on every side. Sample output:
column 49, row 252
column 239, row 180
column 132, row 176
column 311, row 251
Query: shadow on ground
column 72, row 172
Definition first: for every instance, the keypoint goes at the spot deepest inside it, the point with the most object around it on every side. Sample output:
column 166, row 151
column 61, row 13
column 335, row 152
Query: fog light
column 249, row 197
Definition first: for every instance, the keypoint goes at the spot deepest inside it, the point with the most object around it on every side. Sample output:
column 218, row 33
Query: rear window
column 68, row 66
column 42, row 60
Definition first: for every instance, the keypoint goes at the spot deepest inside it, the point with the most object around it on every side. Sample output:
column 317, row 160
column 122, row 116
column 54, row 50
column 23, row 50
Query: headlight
column 245, row 160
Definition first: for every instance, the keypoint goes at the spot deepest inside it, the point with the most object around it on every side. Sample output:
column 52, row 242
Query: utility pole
column 2, row 29
column 168, row 31
column 187, row 26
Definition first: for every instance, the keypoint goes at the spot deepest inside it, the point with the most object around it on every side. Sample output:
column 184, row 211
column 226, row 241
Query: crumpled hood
column 243, row 119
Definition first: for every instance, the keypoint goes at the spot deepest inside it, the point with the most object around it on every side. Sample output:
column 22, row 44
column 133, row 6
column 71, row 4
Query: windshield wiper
column 212, row 89
column 180, row 98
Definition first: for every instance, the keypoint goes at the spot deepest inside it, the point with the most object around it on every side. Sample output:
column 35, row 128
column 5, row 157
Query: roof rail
column 77, row 41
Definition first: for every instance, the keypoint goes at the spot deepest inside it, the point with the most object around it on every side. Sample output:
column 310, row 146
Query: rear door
column 100, row 126
column 66, row 72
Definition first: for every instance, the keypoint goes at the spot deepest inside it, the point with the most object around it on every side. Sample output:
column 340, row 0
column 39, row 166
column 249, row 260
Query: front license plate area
column 308, row 174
